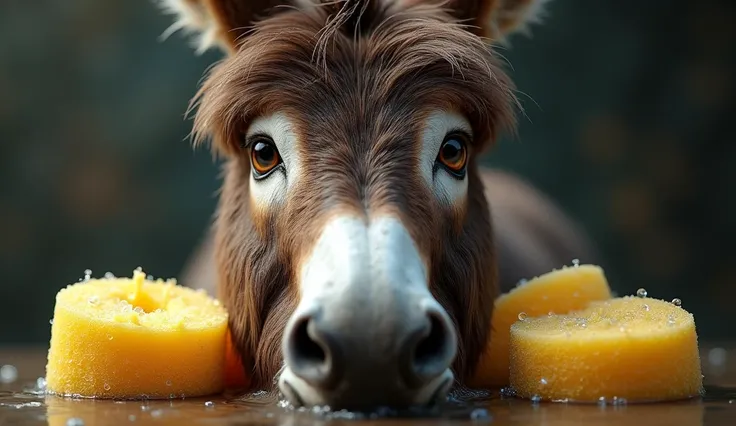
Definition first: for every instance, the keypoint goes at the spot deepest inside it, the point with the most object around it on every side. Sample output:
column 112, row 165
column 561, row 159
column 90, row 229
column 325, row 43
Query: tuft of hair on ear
column 193, row 18
column 218, row 23
column 517, row 16
column 498, row 19
column 493, row 20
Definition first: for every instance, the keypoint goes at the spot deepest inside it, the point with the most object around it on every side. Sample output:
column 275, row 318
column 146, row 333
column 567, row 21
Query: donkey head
column 354, row 243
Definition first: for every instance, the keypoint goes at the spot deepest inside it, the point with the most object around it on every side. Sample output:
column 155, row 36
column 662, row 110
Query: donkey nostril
column 432, row 346
column 304, row 349
column 432, row 350
column 312, row 353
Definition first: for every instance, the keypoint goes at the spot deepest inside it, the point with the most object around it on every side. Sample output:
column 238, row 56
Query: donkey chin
column 367, row 331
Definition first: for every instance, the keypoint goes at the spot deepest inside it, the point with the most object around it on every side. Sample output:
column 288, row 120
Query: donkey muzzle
column 367, row 331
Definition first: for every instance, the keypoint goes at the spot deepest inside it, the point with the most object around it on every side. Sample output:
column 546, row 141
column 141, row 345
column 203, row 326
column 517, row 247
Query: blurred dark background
column 630, row 127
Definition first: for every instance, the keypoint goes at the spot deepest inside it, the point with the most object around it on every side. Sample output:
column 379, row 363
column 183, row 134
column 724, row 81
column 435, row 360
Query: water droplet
column 521, row 282
column 110, row 276
column 157, row 413
column 543, row 381
column 479, row 414
column 646, row 307
column 641, row 293
column 138, row 269
column 602, row 400
column 677, row 302
column 168, row 383
column 93, row 300
column 131, row 418
column 74, row 421
column 536, row 399
column 109, row 337
column 8, row 374
column 619, row 401
column 731, row 401
column 106, row 386
column 508, row 392
column 550, row 313
column 717, row 357
column 576, row 262
column 209, row 404
column 149, row 277
column 139, row 310
column 522, row 316
column 41, row 383
column 51, row 321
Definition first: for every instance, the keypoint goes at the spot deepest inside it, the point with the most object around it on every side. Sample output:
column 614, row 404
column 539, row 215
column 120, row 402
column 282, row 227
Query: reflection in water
column 681, row 413
column 31, row 409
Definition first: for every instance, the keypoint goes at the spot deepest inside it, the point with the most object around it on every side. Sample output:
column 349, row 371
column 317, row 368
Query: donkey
column 357, row 244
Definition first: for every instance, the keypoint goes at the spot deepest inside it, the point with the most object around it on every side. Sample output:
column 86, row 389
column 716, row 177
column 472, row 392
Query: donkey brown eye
column 264, row 156
column 453, row 154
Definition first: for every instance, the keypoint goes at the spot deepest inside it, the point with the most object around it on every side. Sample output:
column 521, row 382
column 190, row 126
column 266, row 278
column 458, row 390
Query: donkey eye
column 264, row 156
column 454, row 154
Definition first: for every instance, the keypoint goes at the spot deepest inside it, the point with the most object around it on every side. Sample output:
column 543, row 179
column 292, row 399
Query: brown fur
column 226, row 23
column 531, row 236
column 358, row 80
column 358, row 109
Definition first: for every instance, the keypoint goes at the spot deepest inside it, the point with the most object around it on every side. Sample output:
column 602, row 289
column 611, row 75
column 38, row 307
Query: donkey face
column 354, row 243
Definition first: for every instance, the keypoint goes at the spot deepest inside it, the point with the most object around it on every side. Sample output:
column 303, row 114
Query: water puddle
column 31, row 406
column 25, row 402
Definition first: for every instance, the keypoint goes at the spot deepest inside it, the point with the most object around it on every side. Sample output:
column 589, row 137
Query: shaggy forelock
column 411, row 58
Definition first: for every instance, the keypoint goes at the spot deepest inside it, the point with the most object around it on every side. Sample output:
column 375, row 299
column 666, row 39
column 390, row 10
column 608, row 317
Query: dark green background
column 630, row 112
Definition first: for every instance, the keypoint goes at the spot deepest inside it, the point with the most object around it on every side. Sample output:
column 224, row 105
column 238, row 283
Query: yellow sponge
column 561, row 291
column 632, row 348
column 133, row 338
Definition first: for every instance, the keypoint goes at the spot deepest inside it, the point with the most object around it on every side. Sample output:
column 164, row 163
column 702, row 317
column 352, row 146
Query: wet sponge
column 632, row 348
column 560, row 292
column 134, row 338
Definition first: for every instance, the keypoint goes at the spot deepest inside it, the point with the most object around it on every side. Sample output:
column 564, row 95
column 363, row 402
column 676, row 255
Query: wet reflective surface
column 22, row 404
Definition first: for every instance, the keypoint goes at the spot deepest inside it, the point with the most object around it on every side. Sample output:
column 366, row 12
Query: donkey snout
column 367, row 331
column 329, row 355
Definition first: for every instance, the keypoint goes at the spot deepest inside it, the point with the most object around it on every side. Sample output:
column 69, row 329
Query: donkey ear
column 500, row 18
column 220, row 23
column 495, row 19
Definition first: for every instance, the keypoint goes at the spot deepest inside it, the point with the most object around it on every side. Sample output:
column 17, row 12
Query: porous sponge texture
column 632, row 348
column 560, row 292
column 134, row 338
